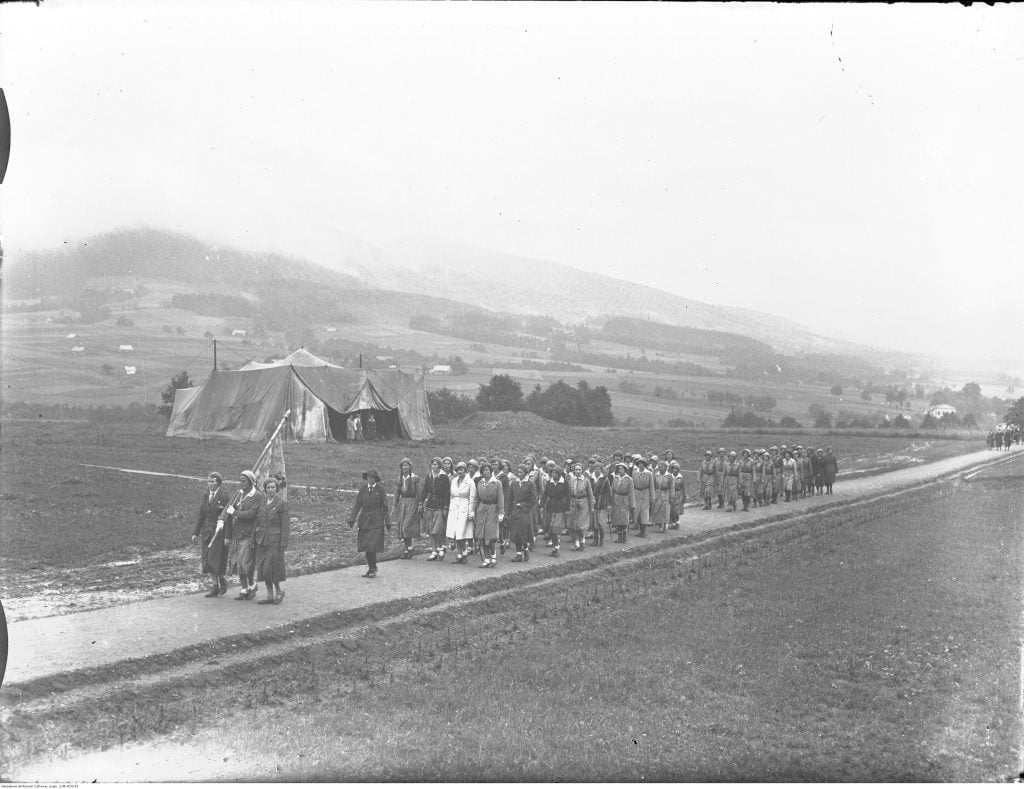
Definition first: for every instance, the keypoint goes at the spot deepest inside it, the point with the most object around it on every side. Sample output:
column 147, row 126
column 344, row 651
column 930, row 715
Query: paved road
column 52, row 645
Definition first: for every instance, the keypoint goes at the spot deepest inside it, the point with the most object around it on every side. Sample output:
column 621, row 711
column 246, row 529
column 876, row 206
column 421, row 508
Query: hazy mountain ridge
column 405, row 276
column 509, row 283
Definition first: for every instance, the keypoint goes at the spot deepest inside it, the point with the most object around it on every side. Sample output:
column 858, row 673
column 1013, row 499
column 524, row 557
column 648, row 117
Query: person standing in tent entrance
column 245, row 515
column 271, row 539
column 371, row 427
column 371, row 512
column 210, row 533
column 407, row 506
column 357, row 423
column 350, row 427
column 434, row 501
column 461, row 505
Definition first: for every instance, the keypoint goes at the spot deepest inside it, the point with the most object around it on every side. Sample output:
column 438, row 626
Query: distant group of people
column 1005, row 437
column 360, row 427
column 757, row 478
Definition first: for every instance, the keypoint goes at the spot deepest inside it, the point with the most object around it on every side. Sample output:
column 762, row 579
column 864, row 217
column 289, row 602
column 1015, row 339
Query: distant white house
column 238, row 332
column 384, row 358
column 330, row 329
column 78, row 349
column 441, row 369
column 72, row 336
column 939, row 411
column 129, row 369
column 125, row 348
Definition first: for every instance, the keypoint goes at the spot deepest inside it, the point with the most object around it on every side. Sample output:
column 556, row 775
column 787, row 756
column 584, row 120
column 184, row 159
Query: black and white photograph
column 511, row 392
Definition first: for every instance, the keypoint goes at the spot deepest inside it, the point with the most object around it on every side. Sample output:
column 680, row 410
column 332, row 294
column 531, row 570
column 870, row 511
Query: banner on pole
column 271, row 464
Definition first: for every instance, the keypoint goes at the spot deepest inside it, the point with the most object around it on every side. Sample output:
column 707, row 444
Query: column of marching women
column 481, row 509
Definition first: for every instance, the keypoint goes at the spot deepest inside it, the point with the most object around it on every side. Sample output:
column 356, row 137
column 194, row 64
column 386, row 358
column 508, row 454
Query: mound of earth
column 507, row 420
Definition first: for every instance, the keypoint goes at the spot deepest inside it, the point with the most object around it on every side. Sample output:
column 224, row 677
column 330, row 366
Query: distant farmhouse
column 129, row 369
column 939, row 411
column 441, row 369
column 78, row 349
column 124, row 348
column 238, row 332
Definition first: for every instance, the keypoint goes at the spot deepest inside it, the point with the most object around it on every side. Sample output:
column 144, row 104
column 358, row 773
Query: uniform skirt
column 435, row 521
column 643, row 506
column 270, row 563
column 486, row 526
column 406, row 518
column 579, row 514
column 521, row 532
column 242, row 556
column 662, row 507
column 214, row 559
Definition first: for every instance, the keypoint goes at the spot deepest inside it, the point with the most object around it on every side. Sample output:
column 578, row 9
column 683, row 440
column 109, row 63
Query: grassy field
column 882, row 649
column 83, row 537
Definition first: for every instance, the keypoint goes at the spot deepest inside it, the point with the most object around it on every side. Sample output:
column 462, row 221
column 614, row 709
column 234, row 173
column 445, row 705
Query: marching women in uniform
column 489, row 513
column 555, row 503
column 678, row 497
column 623, row 501
column 434, row 499
column 643, row 485
column 720, row 465
column 461, row 504
column 706, row 473
column 210, row 533
column 407, row 507
column 371, row 513
column 602, row 486
column 244, row 518
column 271, row 538
column 746, row 479
column 732, row 482
column 663, row 484
column 831, row 470
column 788, row 474
column 522, row 503
column 581, row 505
column 505, row 476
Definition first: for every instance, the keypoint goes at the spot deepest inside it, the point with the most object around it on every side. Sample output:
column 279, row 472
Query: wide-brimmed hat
column 732, row 453
column 619, row 464
column 745, row 452
column 640, row 460
column 371, row 472
column 721, row 449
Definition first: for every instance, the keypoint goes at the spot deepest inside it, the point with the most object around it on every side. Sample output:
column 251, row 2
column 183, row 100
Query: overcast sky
column 850, row 167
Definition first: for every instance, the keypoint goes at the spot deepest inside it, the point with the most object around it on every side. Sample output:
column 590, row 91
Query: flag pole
column 238, row 493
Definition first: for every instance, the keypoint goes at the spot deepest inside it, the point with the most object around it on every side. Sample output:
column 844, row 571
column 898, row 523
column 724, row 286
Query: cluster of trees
column 1015, row 415
column 559, row 402
column 750, row 419
column 727, row 398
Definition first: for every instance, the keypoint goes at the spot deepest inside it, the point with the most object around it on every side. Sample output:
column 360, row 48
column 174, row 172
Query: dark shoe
column 370, row 574
column 223, row 589
column 503, row 549
column 555, row 553
column 213, row 593
column 266, row 601
column 526, row 556
column 243, row 596
column 250, row 595
column 518, row 558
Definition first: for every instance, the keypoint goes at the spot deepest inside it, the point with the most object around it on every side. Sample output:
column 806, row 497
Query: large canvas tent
column 247, row 404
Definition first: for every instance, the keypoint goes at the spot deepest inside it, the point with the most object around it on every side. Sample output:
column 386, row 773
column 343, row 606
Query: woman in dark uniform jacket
column 434, row 494
column 371, row 512
column 522, row 503
column 214, row 560
column 245, row 517
column 272, row 534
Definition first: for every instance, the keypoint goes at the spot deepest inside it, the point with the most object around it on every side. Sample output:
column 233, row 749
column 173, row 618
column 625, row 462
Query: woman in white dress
column 461, row 506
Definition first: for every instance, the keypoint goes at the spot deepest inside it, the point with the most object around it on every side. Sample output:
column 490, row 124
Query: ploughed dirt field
column 877, row 642
column 76, row 536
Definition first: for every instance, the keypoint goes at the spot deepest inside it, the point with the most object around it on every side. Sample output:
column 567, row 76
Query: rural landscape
column 520, row 393
column 83, row 431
